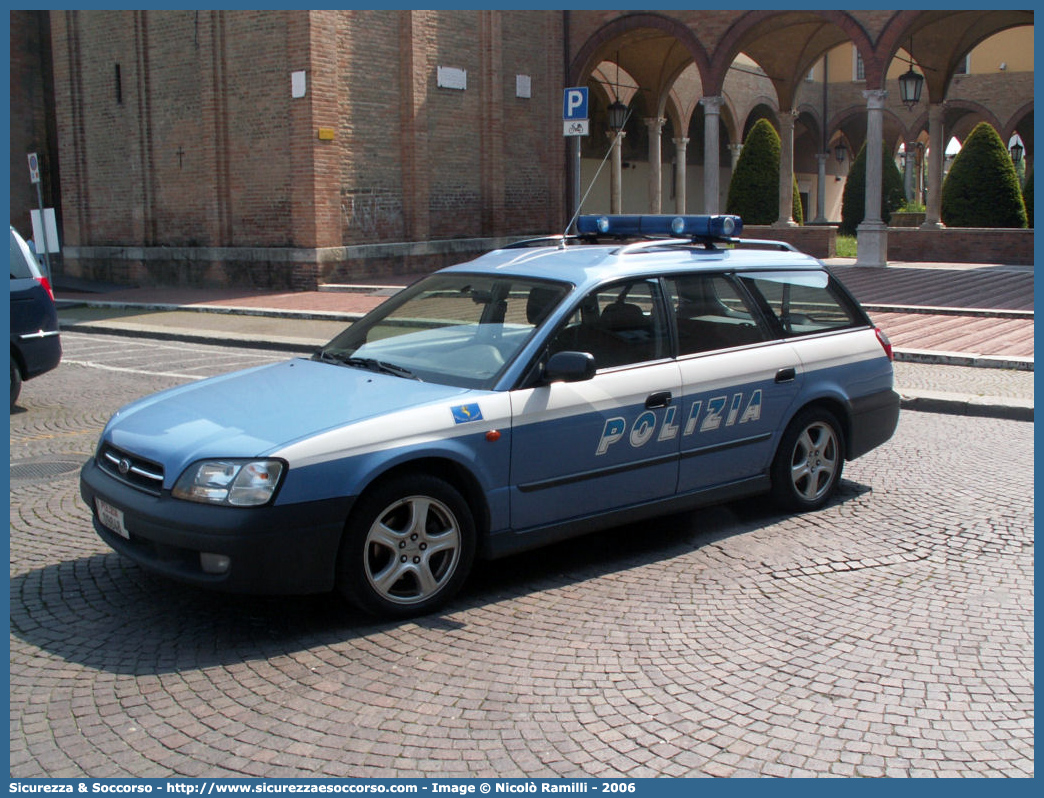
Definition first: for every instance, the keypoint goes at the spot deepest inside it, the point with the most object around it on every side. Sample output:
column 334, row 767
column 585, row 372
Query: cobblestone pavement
column 890, row 634
column 1002, row 383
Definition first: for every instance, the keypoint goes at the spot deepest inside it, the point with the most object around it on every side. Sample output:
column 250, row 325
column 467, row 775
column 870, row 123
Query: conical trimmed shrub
column 754, row 188
column 1027, row 198
column 853, row 200
column 982, row 187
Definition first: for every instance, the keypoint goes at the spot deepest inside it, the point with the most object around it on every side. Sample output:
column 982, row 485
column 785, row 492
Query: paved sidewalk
column 963, row 334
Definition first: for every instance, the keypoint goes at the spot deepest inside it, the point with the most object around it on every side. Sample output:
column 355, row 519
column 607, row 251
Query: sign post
column 34, row 178
column 575, row 123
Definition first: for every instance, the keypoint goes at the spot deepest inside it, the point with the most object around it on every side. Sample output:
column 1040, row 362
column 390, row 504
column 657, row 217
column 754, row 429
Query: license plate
column 112, row 518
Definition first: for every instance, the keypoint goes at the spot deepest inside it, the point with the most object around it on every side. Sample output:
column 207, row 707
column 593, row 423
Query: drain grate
column 42, row 470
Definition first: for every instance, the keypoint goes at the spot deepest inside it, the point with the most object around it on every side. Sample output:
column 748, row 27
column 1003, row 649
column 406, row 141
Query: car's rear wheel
column 809, row 461
column 16, row 383
column 408, row 547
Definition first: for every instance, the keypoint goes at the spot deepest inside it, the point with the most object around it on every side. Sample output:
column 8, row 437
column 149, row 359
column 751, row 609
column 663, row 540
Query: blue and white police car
column 643, row 366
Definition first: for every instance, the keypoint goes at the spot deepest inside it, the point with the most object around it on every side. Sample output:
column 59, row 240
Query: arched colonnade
column 695, row 81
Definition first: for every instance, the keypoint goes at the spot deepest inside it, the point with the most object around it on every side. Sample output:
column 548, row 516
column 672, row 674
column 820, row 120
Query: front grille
column 135, row 471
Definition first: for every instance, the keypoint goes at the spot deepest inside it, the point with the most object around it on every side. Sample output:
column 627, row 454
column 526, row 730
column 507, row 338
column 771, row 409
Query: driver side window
column 620, row 325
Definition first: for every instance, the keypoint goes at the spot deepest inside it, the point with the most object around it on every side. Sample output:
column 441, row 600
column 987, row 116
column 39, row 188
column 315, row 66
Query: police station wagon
column 643, row 366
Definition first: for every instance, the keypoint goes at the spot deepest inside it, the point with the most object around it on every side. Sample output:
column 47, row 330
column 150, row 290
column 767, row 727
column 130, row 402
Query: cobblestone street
column 888, row 635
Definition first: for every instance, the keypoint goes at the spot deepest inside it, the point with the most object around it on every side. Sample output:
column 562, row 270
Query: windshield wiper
column 380, row 365
column 369, row 363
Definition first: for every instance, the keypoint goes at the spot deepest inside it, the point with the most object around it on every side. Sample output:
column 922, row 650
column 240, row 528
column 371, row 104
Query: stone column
column 655, row 125
column 616, row 180
column 909, row 169
column 680, row 174
column 786, row 169
column 735, row 150
column 821, row 160
column 711, row 166
column 936, row 160
column 872, row 233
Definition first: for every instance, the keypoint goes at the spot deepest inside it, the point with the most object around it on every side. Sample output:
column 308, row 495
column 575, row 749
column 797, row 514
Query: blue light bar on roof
column 706, row 227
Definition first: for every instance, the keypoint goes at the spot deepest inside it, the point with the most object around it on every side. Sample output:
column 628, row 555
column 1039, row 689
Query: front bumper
column 289, row 549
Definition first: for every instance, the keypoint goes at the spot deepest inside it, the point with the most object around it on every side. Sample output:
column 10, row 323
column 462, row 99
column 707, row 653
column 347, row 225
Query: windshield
column 452, row 329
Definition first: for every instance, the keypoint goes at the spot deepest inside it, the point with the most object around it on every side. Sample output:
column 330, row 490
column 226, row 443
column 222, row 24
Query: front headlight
column 235, row 483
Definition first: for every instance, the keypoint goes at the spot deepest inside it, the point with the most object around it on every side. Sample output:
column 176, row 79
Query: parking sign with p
column 574, row 111
column 575, row 104
column 34, row 168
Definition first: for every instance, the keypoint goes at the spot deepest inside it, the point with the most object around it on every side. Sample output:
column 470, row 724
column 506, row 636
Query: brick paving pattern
column 890, row 634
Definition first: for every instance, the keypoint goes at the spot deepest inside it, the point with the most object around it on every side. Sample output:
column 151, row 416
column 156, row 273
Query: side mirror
column 569, row 367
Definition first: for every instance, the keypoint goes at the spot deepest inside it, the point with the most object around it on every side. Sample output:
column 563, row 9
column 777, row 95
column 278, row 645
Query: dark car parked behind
column 35, row 343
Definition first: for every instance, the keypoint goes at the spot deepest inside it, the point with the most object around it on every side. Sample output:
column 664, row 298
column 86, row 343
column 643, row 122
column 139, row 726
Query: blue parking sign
column 574, row 104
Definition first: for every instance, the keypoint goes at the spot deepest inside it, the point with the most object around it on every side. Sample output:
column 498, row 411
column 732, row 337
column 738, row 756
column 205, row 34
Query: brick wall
column 961, row 245
column 30, row 88
column 910, row 244
column 819, row 241
column 199, row 143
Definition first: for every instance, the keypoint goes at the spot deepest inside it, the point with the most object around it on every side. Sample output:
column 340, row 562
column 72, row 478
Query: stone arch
column 629, row 27
column 808, row 139
column 765, row 109
column 963, row 115
column 761, row 35
column 1021, row 122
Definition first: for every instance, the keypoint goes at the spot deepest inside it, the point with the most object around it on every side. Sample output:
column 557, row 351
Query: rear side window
column 20, row 268
column 711, row 314
column 804, row 303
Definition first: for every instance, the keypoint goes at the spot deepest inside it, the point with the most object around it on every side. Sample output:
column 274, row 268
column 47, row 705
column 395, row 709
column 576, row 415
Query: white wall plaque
column 452, row 78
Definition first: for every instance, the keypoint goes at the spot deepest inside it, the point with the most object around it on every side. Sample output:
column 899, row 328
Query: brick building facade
column 263, row 148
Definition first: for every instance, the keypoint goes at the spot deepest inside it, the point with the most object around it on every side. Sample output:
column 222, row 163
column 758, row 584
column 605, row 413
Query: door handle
column 657, row 400
column 786, row 375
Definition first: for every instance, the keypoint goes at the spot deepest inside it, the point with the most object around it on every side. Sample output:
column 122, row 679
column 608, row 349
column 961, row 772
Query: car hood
column 254, row 412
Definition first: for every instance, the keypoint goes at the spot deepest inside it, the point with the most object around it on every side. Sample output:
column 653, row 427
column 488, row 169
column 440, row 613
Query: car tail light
column 47, row 286
column 885, row 343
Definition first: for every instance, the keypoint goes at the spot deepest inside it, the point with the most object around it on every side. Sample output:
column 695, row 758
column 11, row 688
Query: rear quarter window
column 20, row 268
column 805, row 303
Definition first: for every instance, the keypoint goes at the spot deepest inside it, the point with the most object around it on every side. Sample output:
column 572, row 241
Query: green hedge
column 1027, row 198
column 982, row 187
column 853, row 200
column 754, row 188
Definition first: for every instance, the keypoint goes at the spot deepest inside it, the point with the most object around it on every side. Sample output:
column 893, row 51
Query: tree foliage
column 754, row 189
column 853, row 200
column 982, row 187
column 1027, row 198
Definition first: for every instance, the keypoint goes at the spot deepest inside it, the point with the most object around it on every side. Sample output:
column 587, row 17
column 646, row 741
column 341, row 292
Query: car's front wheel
column 809, row 460
column 408, row 547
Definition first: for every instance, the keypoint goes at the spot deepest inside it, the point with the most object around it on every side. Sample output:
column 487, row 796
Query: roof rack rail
column 559, row 239
column 766, row 242
column 663, row 243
